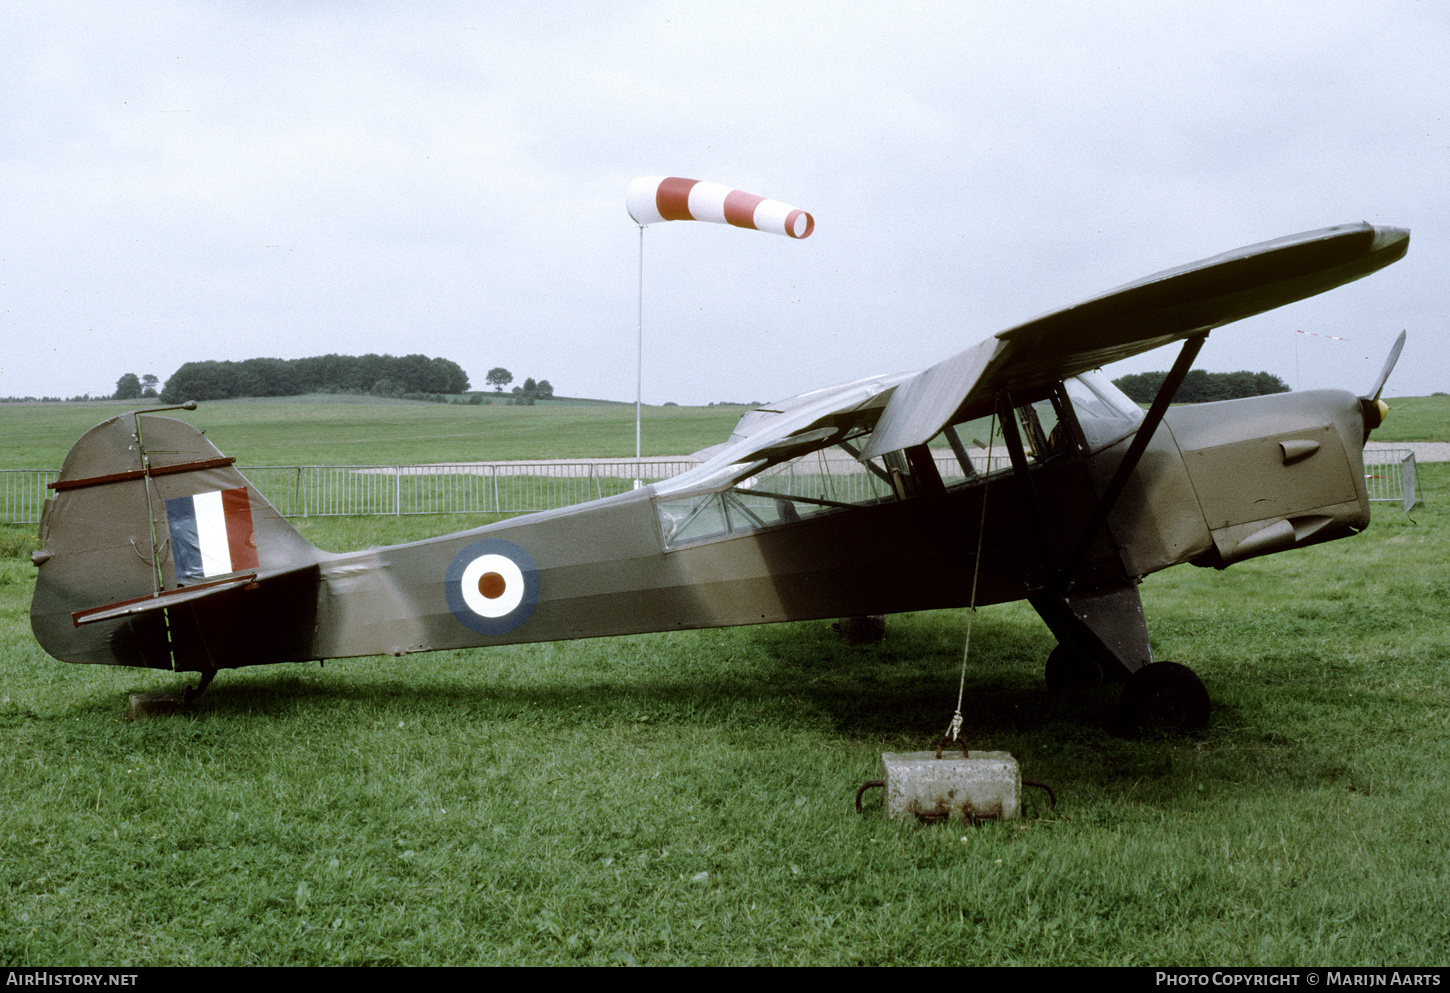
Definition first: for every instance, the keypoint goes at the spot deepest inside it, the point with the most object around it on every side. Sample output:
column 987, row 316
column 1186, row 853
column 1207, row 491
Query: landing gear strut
column 1067, row 668
column 1101, row 635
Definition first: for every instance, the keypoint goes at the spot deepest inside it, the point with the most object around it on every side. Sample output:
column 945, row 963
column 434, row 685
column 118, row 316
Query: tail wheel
column 1166, row 696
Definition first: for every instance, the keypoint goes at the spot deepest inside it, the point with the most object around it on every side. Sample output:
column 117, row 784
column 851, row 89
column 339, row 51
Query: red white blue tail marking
column 211, row 533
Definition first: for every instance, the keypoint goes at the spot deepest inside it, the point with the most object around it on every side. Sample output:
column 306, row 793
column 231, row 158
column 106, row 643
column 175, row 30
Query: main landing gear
column 1102, row 636
column 1166, row 696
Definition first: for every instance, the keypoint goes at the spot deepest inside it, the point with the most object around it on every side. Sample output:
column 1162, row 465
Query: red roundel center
column 491, row 585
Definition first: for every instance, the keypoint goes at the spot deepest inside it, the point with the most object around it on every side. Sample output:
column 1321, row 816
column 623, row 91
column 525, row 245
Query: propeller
column 1375, row 409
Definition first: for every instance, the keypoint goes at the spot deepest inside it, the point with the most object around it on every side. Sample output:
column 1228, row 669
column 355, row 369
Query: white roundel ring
column 492, row 586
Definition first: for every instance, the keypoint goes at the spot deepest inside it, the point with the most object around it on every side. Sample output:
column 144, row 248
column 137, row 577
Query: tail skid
column 156, row 552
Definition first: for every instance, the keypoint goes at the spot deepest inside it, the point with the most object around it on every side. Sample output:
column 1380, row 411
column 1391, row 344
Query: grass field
column 354, row 430
column 687, row 798
column 1415, row 419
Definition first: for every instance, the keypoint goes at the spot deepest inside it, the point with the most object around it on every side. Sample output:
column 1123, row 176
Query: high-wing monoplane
column 1012, row 470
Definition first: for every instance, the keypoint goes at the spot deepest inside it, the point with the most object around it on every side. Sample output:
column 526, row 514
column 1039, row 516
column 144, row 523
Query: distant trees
column 384, row 375
column 1202, row 387
column 128, row 387
column 133, row 387
column 411, row 376
column 526, row 395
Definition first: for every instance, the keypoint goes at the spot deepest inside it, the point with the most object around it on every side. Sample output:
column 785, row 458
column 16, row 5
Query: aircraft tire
column 1066, row 669
column 1166, row 696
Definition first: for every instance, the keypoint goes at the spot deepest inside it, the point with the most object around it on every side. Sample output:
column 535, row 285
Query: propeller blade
column 1389, row 367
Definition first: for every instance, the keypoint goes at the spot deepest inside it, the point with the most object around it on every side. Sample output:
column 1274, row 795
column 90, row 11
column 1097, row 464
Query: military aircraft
column 156, row 552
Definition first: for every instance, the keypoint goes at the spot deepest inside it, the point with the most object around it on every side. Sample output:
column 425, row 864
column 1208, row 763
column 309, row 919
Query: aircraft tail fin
column 155, row 551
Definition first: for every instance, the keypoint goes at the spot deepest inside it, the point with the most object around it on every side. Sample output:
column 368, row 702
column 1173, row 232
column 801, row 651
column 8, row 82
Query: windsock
column 652, row 199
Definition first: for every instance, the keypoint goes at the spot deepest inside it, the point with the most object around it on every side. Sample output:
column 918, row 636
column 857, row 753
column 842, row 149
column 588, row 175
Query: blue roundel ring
column 492, row 586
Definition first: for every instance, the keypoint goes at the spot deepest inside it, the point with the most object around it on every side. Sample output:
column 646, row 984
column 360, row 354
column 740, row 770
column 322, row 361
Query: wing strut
column 1135, row 452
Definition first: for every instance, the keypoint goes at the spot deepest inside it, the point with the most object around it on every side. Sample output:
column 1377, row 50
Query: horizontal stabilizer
column 1156, row 310
column 159, row 601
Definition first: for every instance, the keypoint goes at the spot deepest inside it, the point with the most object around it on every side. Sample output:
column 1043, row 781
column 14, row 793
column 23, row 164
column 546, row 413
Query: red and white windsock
column 652, row 199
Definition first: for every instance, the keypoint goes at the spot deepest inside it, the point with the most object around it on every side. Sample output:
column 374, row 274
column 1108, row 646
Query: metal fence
column 1389, row 473
column 23, row 493
column 524, row 487
column 477, row 488
column 331, row 490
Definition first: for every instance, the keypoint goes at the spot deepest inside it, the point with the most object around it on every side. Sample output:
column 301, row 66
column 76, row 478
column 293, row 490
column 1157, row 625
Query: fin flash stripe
column 211, row 533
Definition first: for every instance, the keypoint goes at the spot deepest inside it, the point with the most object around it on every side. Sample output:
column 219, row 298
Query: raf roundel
column 492, row 586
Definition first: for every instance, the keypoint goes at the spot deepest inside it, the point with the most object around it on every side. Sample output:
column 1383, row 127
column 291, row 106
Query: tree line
column 133, row 387
column 383, row 375
column 498, row 377
column 1202, row 387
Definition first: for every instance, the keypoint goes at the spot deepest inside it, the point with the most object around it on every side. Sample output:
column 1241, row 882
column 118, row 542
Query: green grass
column 686, row 798
column 1416, row 419
column 349, row 430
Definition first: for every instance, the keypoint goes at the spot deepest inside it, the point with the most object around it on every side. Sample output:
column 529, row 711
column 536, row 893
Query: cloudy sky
column 187, row 181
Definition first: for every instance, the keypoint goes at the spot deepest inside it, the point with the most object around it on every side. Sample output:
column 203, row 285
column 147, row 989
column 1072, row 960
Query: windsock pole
column 652, row 199
column 639, row 365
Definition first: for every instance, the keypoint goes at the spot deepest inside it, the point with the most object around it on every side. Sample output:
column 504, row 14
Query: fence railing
column 333, row 490
column 477, row 488
column 523, row 487
column 1389, row 474
column 23, row 493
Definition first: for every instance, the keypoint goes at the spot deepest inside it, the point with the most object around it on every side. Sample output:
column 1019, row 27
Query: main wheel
column 1166, row 696
column 1066, row 668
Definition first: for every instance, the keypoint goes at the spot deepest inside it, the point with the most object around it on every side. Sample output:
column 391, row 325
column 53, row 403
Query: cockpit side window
column 1047, row 428
column 975, row 446
column 1093, row 395
column 1104, row 412
column 819, row 482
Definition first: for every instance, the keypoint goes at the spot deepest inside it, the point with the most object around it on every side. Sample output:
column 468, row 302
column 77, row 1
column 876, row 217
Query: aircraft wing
column 798, row 422
column 1156, row 310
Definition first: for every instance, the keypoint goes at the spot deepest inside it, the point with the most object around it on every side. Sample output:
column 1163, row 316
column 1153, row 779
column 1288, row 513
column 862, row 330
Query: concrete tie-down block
column 967, row 786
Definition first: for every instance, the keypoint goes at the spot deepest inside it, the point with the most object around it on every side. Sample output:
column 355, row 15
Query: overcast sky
column 189, row 181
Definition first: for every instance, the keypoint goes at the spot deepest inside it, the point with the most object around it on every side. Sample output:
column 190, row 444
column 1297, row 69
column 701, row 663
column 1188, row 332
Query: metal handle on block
column 947, row 741
column 866, row 786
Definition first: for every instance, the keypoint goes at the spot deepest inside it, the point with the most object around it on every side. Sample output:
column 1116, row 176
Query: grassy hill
column 338, row 429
